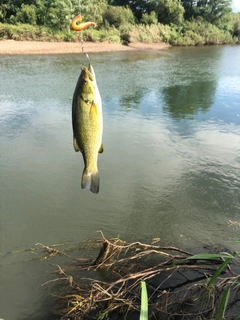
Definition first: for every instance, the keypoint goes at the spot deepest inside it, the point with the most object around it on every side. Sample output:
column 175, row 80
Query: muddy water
column 170, row 168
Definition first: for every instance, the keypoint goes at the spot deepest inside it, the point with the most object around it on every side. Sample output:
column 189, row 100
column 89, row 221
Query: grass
column 227, row 258
column 221, row 308
column 144, row 302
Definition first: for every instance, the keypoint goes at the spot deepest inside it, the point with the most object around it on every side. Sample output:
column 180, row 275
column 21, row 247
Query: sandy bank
column 34, row 47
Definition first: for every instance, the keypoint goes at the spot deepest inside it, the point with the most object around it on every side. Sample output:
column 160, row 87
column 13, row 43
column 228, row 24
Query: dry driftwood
column 176, row 287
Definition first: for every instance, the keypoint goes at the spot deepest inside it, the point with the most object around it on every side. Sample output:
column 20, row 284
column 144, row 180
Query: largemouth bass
column 88, row 126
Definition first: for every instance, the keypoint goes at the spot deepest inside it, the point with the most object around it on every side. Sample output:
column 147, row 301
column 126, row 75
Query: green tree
column 7, row 10
column 235, row 24
column 214, row 10
column 92, row 10
column 149, row 19
column 117, row 16
column 138, row 7
column 189, row 7
column 211, row 10
column 42, row 7
column 27, row 14
column 59, row 14
column 170, row 11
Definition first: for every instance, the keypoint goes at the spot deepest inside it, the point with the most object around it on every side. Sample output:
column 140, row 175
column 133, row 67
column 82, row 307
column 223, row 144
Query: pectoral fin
column 75, row 145
column 101, row 149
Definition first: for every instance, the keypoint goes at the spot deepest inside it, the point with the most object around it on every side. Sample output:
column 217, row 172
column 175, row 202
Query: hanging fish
column 88, row 126
column 75, row 25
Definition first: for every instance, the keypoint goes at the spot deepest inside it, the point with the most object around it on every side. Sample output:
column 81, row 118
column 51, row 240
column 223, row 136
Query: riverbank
column 177, row 282
column 37, row 47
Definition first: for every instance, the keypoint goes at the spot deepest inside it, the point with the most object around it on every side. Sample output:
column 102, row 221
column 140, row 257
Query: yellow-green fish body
column 88, row 126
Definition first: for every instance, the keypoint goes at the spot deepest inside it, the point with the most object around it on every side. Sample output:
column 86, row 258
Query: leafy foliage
column 199, row 31
column 27, row 14
column 235, row 24
column 170, row 11
column 92, row 10
column 150, row 18
column 117, row 16
column 211, row 10
column 59, row 14
column 138, row 7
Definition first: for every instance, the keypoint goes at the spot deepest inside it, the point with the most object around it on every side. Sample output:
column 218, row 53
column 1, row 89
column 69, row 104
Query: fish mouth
column 91, row 72
column 88, row 73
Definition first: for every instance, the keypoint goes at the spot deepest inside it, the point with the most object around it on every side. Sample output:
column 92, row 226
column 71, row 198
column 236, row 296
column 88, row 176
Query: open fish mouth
column 88, row 72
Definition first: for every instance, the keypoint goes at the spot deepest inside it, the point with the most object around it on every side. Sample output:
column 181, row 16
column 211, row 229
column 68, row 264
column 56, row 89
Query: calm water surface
column 170, row 167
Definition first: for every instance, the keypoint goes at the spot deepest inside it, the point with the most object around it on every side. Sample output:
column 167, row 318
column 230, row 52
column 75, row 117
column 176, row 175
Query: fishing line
column 81, row 36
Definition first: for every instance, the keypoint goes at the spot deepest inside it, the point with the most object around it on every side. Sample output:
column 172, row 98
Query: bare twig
column 125, row 266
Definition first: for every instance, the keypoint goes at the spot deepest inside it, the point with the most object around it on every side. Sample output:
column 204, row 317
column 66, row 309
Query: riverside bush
column 190, row 38
column 189, row 33
column 111, row 35
column 199, row 32
column 149, row 19
column 209, row 32
column 143, row 33
column 18, row 32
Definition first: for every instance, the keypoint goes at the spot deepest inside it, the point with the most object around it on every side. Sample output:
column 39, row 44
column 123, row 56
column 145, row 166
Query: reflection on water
column 195, row 97
column 170, row 168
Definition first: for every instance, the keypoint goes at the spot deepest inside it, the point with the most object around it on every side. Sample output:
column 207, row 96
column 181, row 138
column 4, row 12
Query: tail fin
column 90, row 180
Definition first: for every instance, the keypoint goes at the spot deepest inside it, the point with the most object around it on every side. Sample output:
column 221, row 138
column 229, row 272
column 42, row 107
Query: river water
column 170, row 169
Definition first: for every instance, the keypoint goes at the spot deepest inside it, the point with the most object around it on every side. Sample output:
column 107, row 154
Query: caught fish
column 81, row 26
column 88, row 126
